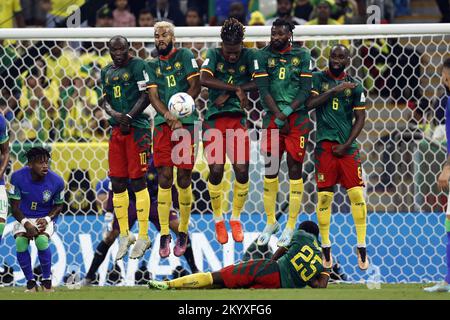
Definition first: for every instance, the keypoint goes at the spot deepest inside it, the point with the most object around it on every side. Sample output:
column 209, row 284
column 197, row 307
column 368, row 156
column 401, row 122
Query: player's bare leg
column 165, row 181
column 270, row 200
column 184, row 182
column 215, row 189
column 121, row 203
column 323, row 211
column 295, row 199
column 240, row 194
column 143, row 242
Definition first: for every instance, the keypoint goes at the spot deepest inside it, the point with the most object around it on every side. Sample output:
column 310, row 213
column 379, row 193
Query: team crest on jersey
column 321, row 177
column 325, row 86
column 348, row 92
column 271, row 63
column 232, row 71
column 126, row 76
column 158, row 71
column 177, row 65
column 242, row 69
column 295, row 61
column 46, row 195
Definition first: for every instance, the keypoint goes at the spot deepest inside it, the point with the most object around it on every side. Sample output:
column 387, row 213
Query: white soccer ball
column 181, row 105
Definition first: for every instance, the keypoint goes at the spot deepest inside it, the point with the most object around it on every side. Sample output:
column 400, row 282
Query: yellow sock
column 295, row 201
column 185, row 201
column 240, row 194
column 196, row 280
column 324, row 199
column 143, row 210
column 216, row 196
column 359, row 212
column 121, row 203
column 164, row 204
column 270, row 198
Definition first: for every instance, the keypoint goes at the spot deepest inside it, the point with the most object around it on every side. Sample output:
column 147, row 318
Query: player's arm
column 58, row 200
column 161, row 108
column 141, row 76
column 4, row 147
column 105, row 104
column 279, row 253
column 305, row 84
column 194, row 86
column 315, row 99
column 192, row 74
column 14, row 195
column 321, row 280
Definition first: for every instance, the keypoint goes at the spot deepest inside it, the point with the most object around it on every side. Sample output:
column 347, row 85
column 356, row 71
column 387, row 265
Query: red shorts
column 293, row 143
column 226, row 136
column 257, row 274
column 128, row 154
column 331, row 170
column 171, row 150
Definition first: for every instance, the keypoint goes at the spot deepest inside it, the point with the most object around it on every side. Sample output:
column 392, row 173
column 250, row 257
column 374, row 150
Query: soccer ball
column 181, row 105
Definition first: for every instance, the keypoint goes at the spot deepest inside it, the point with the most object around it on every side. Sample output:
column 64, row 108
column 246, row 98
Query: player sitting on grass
column 111, row 236
column 36, row 196
column 295, row 266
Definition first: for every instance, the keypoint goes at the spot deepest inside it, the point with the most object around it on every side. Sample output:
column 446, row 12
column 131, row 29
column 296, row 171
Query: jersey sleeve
column 141, row 74
column 359, row 98
column 259, row 64
column 151, row 76
column 315, row 84
column 190, row 64
column 3, row 130
column 209, row 65
column 306, row 64
column 102, row 80
column 58, row 198
column 250, row 61
column 17, row 6
column 14, row 191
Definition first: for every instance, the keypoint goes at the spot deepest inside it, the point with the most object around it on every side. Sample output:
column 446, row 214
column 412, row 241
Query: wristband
column 131, row 118
column 48, row 219
column 287, row 111
column 279, row 123
column 24, row 220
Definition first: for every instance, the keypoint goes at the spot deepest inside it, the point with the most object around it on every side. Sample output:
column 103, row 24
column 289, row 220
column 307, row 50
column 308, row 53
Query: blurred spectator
column 238, row 11
column 145, row 18
column 193, row 18
column 285, row 12
column 60, row 10
column 303, row 9
column 61, row 63
column 143, row 49
column 51, row 21
column 104, row 18
column 11, row 14
column 323, row 13
column 33, row 13
column 444, row 7
column 222, row 10
column 345, row 11
column 256, row 19
column 122, row 16
column 164, row 11
column 5, row 110
column 202, row 7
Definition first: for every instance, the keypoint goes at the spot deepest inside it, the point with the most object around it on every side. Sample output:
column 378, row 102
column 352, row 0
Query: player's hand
column 281, row 116
column 176, row 125
column 32, row 231
column 124, row 129
column 122, row 119
column 339, row 150
column 220, row 100
column 344, row 85
column 443, row 178
column 169, row 117
column 242, row 98
column 41, row 224
column 285, row 129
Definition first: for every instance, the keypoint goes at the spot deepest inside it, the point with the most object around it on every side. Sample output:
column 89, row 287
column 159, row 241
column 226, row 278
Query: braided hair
column 37, row 153
column 232, row 31
column 287, row 24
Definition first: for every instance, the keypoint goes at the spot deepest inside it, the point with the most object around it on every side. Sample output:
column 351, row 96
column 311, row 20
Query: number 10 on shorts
column 143, row 157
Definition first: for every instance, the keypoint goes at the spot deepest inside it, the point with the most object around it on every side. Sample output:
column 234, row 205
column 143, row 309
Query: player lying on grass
column 36, row 196
column 295, row 266
column 111, row 236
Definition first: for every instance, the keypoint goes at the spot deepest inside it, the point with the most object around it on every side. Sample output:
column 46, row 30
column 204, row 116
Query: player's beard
column 336, row 71
column 279, row 46
column 166, row 51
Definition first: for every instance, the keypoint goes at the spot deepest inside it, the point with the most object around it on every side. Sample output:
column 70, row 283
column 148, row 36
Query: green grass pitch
column 333, row 292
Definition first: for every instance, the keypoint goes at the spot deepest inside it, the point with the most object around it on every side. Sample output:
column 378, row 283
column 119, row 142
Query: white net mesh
column 50, row 92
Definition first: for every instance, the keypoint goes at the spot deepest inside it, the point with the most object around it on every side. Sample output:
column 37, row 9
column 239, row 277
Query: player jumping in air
column 110, row 237
column 124, row 90
column 36, row 195
column 283, row 75
column 295, row 266
column 227, row 72
column 174, row 70
column 444, row 286
column 338, row 98
column 4, row 159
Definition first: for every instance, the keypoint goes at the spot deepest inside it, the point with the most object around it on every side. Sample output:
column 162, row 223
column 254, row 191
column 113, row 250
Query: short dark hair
column 104, row 12
column 284, row 23
column 232, row 31
column 310, row 227
column 119, row 37
column 145, row 11
column 447, row 63
column 37, row 153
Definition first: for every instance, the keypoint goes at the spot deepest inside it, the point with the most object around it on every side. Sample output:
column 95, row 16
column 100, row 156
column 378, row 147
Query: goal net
column 49, row 82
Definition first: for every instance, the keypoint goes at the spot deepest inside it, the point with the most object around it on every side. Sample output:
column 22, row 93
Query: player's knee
column 356, row 196
column 241, row 173
column 216, row 174
column 165, row 178
column 21, row 244
column 41, row 242
column 119, row 185
column 183, row 179
column 138, row 184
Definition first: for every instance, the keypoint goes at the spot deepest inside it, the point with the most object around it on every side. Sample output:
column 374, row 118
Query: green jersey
column 237, row 73
column 284, row 69
column 170, row 74
column 302, row 262
column 335, row 118
column 123, row 87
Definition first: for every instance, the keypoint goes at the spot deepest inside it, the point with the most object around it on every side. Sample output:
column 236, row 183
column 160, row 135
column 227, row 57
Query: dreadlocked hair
column 232, row 31
column 287, row 24
column 37, row 153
